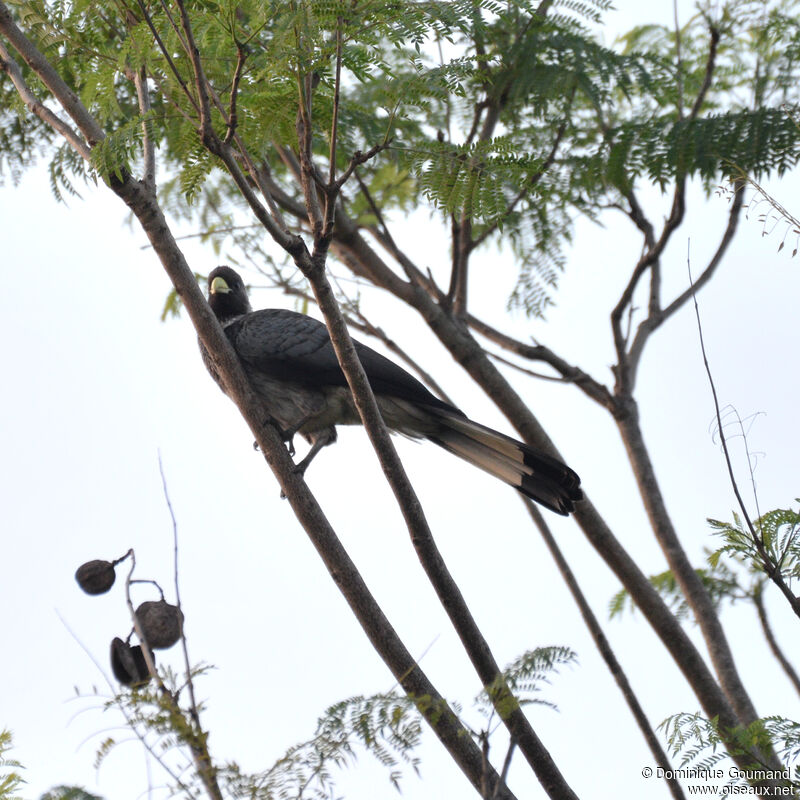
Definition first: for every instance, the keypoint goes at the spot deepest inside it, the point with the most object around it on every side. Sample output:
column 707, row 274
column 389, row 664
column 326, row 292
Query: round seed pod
column 128, row 664
column 161, row 623
column 95, row 577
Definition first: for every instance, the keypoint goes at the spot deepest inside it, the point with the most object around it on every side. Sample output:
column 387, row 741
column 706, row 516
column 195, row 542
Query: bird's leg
column 321, row 440
column 303, row 465
column 286, row 434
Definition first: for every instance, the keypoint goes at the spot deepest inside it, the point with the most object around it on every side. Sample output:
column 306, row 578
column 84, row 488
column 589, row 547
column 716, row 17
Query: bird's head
column 227, row 294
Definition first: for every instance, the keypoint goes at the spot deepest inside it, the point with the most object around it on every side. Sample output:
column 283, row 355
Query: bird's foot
column 287, row 434
column 300, row 468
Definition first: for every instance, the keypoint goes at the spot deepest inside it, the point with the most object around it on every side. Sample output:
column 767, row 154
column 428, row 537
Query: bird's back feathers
column 295, row 347
column 292, row 365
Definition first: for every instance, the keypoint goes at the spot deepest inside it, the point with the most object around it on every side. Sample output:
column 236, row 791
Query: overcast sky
column 96, row 387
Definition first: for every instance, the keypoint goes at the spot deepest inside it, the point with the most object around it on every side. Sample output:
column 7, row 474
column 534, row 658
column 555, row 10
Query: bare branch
column 384, row 236
column 709, row 73
column 790, row 671
column 10, row 66
column 604, row 647
column 200, row 81
column 446, row 588
column 657, row 318
column 237, row 76
column 334, row 119
column 636, row 213
column 537, row 352
column 165, row 52
column 733, row 221
column 363, row 324
column 292, row 244
column 357, row 159
column 194, row 710
column 69, row 101
column 143, row 95
column 525, row 371
column 626, row 375
column 771, row 569
column 308, row 173
column 627, row 362
column 461, row 246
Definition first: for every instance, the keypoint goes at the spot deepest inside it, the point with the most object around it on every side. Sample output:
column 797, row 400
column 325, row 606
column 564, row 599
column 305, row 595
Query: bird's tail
column 534, row 473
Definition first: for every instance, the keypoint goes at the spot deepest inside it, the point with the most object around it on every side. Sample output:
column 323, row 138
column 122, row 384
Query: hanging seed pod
column 128, row 664
column 96, row 577
column 161, row 623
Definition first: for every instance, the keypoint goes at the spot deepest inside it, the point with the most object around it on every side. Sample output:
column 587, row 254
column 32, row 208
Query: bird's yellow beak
column 219, row 286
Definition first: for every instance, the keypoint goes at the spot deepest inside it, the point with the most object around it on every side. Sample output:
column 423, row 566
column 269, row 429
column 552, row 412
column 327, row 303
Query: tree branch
column 605, row 650
column 709, row 73
column 656, row 319
column 207, row 133
column 369, row 614
column 758, row 600
column 12, row 69
column 143, row 96
column 233, row 117
column 585, row 382
column 69, row 101
column 467, row 352
column 768, row 564
column 628, row 361
column 308, row 176
column 165, row 52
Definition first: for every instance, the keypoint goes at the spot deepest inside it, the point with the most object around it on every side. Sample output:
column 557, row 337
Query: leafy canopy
column 512, row 116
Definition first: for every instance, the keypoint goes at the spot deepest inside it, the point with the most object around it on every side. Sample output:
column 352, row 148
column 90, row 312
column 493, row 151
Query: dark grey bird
column 290, row 362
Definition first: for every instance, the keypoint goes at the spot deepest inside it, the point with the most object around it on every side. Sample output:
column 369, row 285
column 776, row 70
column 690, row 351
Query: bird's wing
column 295, row 347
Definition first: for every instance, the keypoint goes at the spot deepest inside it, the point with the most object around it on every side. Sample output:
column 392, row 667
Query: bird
column 290, row 362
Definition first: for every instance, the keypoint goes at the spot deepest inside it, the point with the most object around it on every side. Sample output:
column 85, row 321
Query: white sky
column 97, row 386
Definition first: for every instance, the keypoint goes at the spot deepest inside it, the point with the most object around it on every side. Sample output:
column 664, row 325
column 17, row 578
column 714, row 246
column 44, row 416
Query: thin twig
column 165, row 52
column 143, row 96
column 771, row 569
column 129, row 721
column 528, row 184
column 200, row 81
column 358, row 158
column 233, row 117
column 777, row 651
column 538, row 352
column 73, row 138
column 187, row 663
column 413, row 273
column 678, row 59
column 309, row 179
column 336, row 96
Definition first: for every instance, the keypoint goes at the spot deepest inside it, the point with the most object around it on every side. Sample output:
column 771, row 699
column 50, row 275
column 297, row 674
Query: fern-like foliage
column 69, row 793
column 10, row 778
column 722, row 582
column 776, row 545
column 704, row 745
column 385, row 726
column 525, row 677
column 576, row 122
